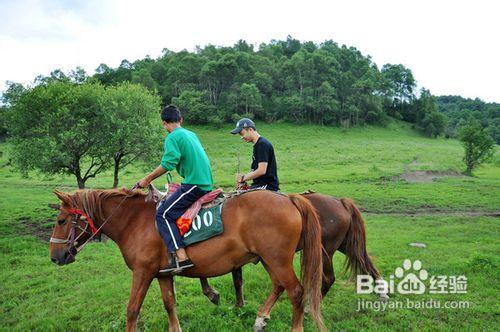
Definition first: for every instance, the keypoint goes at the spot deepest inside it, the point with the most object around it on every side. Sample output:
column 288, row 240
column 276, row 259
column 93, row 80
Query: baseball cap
column 243, row 124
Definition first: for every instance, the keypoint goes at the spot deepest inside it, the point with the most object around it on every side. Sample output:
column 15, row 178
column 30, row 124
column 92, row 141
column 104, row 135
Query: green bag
column 206, row 224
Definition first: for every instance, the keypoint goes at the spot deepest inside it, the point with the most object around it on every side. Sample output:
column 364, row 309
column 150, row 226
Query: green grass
column 92, row 293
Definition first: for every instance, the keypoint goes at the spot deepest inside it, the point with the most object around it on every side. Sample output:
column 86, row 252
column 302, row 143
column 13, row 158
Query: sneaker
column 177, row 266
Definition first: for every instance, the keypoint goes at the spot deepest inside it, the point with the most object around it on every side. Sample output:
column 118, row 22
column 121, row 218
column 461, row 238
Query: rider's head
column 171, row 117
column 246, row 128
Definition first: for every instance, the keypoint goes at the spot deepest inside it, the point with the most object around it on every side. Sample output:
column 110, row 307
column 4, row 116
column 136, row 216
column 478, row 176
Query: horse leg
column 238, row 286
column 288, row 279
column 265, row 310
column 328, row 275
column 209, row 292
column 168, row 295
column 140, row 284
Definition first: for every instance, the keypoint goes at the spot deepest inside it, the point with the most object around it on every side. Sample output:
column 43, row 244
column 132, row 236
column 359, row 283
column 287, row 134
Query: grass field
column 453, row 215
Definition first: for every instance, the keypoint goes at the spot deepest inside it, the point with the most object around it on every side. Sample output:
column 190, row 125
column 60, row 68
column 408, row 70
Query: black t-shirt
column 263, row 151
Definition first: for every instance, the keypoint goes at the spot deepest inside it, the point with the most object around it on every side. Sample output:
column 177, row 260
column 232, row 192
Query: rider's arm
column 169, row 161
column 172, row 154
column 151, row 176
column 261, row 170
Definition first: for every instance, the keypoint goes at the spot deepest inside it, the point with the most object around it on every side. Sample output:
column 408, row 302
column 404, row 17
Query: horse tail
column 311, row 267
column 358, row 260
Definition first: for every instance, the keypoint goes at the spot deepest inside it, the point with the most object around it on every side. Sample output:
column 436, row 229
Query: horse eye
column 61, row 221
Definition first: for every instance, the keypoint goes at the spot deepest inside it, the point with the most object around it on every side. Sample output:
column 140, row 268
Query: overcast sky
column 452, row 47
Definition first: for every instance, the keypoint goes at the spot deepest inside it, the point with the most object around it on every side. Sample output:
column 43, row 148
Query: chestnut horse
column 123, row 215
column 342, row 229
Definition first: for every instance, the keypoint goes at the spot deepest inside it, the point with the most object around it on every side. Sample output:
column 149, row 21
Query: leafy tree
column 78, row 75
column 250, row 98
column 327, row 107
column 59, row 127
column 426, row 116
column 400, row 84
column 143, row 77
column 195, row 108
column 134, row 122
column 3, row 122
column 434, row 124
column 218, row 75
column 10, row 97
column 13, row 93
column 104, row 74
column 478, row 144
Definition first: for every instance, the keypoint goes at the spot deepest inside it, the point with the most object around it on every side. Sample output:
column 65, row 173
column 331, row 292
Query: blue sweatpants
column 171, row 209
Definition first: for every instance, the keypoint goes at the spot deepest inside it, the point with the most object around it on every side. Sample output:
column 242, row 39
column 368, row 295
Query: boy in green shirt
column 183, row 152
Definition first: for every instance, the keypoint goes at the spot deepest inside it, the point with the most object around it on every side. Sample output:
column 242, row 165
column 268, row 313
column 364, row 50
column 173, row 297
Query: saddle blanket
column 206, row 224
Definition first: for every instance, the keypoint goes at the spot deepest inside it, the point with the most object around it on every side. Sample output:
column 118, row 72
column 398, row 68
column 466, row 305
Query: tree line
column 288, row 80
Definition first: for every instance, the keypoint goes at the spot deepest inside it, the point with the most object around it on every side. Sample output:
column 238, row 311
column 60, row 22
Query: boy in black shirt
column 264, row 173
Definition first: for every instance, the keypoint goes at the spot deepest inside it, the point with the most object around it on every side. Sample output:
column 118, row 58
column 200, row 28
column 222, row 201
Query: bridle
column 71, row 240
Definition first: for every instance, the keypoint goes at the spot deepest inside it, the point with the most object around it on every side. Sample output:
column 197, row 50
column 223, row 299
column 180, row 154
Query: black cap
column 243, row 124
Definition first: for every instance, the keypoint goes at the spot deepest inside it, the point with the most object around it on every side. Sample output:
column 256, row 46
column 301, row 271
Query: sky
column 452, row 47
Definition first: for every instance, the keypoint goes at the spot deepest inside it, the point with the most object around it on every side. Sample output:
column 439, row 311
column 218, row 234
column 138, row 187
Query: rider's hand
column 239, row 178
column 143, row 183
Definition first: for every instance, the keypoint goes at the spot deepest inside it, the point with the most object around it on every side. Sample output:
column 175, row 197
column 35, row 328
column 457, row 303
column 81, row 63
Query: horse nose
column 54, row 260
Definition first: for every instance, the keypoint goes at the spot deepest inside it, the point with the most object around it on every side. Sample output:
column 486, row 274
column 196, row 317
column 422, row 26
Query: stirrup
column 175, row 266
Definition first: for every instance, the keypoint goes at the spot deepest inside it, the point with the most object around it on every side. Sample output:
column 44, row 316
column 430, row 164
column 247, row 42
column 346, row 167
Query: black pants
column 171, row 209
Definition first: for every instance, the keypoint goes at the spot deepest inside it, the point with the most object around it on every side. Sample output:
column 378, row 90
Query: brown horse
column 342, row 229
column 287, row 222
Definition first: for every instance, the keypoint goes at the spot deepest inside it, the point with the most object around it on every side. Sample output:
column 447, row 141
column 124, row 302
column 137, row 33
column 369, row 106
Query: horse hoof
column 215, row 298
column 383, row 297
column 260, row 323
column 240, row 304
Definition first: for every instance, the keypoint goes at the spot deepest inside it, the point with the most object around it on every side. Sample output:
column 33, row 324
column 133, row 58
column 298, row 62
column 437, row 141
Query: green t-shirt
column 183, row 152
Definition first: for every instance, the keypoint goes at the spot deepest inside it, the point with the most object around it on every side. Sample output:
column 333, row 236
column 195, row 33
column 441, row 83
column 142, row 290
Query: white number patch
column 208, row 220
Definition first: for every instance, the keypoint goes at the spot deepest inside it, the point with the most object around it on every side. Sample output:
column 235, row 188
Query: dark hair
column 171, row 113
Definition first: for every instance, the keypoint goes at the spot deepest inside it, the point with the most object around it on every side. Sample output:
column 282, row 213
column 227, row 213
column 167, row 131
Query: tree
column 3, row 123
column 399, row 85
column 250, row 98
column 143, row 77
column 134, row 118
column 478, row 144
column 218, row 76
column 434, row 124
column 59, row 127
column 327, row 107
column 10, row 97
column 426, row 116
column 194, row 107
column 13, row 93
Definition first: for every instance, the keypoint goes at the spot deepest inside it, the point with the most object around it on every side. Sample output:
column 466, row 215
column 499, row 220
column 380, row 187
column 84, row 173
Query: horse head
column 70, row 229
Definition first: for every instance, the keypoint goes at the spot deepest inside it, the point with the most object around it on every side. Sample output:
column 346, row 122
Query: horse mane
column 90, row 200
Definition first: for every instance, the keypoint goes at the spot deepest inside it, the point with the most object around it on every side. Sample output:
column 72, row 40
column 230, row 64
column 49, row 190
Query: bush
column 477, row 142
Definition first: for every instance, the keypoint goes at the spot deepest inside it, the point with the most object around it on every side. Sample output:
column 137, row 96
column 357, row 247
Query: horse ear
column 64, row 197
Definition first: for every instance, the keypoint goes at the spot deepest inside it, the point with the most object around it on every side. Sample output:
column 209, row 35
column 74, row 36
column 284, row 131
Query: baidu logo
column 411, row 278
